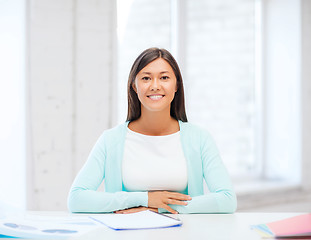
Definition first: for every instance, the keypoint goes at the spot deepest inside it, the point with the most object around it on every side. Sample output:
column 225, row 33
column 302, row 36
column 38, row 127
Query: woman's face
column 155, row 86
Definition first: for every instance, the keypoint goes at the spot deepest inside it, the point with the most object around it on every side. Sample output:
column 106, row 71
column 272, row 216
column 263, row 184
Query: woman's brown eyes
column 148, row 78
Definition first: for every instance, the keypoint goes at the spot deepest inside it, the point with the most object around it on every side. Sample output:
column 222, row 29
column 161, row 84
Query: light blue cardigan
column 105, row 160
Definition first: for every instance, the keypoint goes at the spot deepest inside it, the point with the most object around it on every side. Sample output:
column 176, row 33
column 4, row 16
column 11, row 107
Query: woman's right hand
column 161, row 199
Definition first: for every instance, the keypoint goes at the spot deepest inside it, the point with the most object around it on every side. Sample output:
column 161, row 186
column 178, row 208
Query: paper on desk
column 37, row 226
column 140, row 220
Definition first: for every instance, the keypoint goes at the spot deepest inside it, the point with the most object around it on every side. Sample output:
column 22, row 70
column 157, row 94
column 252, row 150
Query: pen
column 175, row 218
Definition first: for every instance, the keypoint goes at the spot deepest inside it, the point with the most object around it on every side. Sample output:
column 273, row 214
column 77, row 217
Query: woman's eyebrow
column 151, row 73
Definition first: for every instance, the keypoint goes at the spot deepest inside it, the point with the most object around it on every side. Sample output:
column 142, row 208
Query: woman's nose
column 155, row 84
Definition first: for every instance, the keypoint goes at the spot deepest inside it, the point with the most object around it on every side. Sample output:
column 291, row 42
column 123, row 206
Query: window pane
column 220, row 77
column 218, row 67
column 141, row 24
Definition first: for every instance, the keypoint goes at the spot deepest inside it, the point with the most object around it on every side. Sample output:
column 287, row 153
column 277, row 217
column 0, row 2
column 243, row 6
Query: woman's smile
column 155, row 97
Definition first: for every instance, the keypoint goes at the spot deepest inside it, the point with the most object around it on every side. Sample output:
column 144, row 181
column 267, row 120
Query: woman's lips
column 155, row 97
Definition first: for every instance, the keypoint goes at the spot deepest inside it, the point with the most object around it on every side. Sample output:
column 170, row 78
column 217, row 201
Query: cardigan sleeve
column 221, row 197
column 83, row 195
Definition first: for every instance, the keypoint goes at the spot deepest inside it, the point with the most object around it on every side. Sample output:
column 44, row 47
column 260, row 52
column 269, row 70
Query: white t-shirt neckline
column 145, row 135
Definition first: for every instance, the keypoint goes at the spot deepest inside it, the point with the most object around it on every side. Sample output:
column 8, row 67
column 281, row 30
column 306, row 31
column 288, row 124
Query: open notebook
column 140, row 220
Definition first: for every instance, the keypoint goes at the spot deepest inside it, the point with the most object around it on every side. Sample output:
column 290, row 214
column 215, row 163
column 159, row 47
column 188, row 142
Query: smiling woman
column 156, row 160
column 153, row 64
column 155, row 92
column 155, row 84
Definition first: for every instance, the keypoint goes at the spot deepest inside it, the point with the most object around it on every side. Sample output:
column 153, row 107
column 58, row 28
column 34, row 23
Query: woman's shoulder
column 114, row 134
column 195, row 132
column 192, row 128
column 118, row 129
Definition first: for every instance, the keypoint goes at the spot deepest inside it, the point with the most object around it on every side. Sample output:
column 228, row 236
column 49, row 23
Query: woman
column 155, row 160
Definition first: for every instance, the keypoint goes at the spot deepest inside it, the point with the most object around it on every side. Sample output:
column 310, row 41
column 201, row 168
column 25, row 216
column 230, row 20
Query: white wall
column 69, row 92
column 12, row 99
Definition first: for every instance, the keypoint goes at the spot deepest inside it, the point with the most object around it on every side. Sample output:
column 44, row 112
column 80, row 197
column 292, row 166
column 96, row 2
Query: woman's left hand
column 136, row 209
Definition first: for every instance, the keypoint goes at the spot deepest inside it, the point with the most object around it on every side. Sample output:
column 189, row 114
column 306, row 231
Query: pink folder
column 294, row 226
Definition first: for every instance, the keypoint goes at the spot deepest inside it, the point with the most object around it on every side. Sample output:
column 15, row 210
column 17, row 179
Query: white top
column 154, row 163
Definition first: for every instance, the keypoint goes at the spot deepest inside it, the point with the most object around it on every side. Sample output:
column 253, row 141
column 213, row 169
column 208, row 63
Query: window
column 218, row 64
column 220, row 76
column 141, row 24
column 229, row 91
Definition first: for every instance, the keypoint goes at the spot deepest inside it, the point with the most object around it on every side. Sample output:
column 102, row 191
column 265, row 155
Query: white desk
column 195, row 226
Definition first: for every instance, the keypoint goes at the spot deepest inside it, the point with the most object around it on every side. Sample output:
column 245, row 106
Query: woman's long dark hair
column 134, row 106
